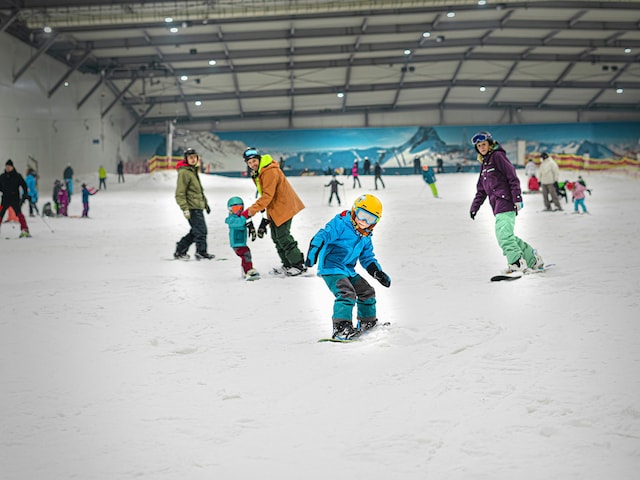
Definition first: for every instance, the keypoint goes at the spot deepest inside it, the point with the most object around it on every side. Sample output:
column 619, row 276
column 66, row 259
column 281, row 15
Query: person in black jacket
column 10, row 183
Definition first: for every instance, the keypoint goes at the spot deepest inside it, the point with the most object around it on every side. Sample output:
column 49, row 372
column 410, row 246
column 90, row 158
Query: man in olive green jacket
column 192, row 201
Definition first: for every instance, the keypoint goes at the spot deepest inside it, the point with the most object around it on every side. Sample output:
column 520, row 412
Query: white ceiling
column 287, row 59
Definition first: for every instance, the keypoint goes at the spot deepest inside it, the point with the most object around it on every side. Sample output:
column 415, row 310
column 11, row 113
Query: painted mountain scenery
column 593, row 146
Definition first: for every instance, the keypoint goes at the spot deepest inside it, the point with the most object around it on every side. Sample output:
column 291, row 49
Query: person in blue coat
column 239, row 230
column 343, row 242
column 429, row 176
column 32, row 189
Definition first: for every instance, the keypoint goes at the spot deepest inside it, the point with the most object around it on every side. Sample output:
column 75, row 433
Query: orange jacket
column 277, row 195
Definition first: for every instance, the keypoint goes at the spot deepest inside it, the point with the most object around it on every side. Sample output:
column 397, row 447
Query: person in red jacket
column 10, row 183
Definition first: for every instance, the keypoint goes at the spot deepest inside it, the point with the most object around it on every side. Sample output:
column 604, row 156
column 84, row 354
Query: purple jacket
column 498, row 181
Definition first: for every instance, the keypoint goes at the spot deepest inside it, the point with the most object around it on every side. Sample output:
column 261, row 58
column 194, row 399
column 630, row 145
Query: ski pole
column 46, row 223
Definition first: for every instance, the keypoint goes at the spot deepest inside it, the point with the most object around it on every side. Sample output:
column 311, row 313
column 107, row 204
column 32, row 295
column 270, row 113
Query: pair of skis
column 361, row 334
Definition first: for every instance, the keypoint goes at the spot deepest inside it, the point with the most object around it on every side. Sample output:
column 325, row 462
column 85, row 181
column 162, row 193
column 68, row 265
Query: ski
column 357, row 337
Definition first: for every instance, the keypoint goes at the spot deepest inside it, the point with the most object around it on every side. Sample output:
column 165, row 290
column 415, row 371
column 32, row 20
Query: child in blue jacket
column 86, row 192
column 336, row 248
column 238, row 227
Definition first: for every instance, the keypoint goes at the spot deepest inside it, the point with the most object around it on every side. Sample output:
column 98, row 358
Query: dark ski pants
column 197, row 234
column 286, row 245
column 350, row 291
column 336, row 195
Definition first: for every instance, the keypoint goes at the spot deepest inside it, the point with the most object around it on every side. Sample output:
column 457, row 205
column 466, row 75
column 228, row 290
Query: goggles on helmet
column 368, row 217
column 236, row 209
column 480, row 137
column 251, row 153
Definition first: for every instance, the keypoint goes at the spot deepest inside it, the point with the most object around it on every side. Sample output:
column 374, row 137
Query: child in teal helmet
column 239, row 229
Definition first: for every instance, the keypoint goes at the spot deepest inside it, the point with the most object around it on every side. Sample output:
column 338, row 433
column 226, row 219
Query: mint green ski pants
column 512, row 247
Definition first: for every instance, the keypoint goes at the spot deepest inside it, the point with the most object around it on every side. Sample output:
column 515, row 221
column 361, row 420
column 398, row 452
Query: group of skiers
column 335, row 249
column 17, row 190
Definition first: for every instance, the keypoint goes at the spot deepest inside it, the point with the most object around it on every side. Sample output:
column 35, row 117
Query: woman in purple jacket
column 498, row 181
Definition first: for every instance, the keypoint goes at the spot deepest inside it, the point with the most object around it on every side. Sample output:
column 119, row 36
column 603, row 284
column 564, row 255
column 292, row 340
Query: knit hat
column 9, row 162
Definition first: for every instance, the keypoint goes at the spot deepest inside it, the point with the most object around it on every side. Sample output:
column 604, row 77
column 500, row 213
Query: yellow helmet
column 369, row 203
column 368, row 209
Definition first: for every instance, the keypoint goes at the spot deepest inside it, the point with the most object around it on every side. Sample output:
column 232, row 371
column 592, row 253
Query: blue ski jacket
column 341, row 247
column 237, row 230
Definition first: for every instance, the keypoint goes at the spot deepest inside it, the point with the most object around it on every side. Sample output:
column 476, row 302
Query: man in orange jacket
column 279, row 199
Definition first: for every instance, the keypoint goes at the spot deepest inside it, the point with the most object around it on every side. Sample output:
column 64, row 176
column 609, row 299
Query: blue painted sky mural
column 397, row 146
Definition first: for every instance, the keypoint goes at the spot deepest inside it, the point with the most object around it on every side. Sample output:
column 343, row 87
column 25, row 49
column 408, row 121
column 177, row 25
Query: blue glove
column 312, row 255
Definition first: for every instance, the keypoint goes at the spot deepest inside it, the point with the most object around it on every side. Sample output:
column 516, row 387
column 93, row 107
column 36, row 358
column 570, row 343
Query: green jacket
column 189, row 192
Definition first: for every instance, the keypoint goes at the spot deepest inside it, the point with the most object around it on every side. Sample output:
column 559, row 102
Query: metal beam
column 91, row 91
column 43, row 48
column 118, row 97
column 9, row 20
column 68, row 73
column 138, row 121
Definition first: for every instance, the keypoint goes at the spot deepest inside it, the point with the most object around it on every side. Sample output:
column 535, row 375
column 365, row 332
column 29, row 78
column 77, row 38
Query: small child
column 85, row 199
column 578, row 190
column 334, row 189
column 534, row 184
column 238, row 227
column 63, row 200
column 336, row 248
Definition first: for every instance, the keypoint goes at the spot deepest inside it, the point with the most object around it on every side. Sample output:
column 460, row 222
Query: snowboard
column 508, row 277
column 356, row 338
column 277, row 273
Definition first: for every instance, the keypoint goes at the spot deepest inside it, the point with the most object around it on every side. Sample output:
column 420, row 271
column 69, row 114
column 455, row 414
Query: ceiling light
column 168, row 20
column 482, row 2
column 483, row 88
column 451, row 14
column 212, row 62
column 340, row 94
column 47, row 29
column 198, row 103
column 184, row 78
column 66, row 84
column 619, row 90
column 173, row 29
column 407, row 52
column 627, row 50
column 426, row 34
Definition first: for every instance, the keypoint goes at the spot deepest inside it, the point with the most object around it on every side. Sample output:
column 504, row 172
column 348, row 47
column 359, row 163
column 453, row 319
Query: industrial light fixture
column 47, row 29
column 482, row 3
column 168, row 20
column 483, row 88
column 407, row 52
column 173, row 29
column 340, row 94
column 619, row 90
column 426, row 34
column 451, row 14
column 212, row 62
column 184, row 78
column 198, row 103
column 627, row 50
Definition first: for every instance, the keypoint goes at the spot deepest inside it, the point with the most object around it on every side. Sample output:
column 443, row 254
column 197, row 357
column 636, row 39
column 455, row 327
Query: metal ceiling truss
column 84, row 29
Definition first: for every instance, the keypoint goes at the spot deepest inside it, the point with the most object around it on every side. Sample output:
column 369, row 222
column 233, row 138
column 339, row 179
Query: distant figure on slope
column 377, row 171
column 498, row 181
column 10, row 184
column 578, row 190
column 429, row 176
column 336, row 248
column 334, row 183
column 86, row 193
column 354, row 174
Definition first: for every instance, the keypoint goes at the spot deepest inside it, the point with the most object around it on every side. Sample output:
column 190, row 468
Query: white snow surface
column 117, row 362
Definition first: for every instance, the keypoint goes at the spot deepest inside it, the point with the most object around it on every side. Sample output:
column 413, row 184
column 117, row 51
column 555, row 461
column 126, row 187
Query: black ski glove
column 472, row 215
column 379, row 275
column 262, row 228
column 208, row 209
column 252, row 230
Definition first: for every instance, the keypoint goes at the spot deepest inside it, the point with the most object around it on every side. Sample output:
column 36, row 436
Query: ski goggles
column 368, row 217
column 236, row 209
column 480, row 137
column 251, row 153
